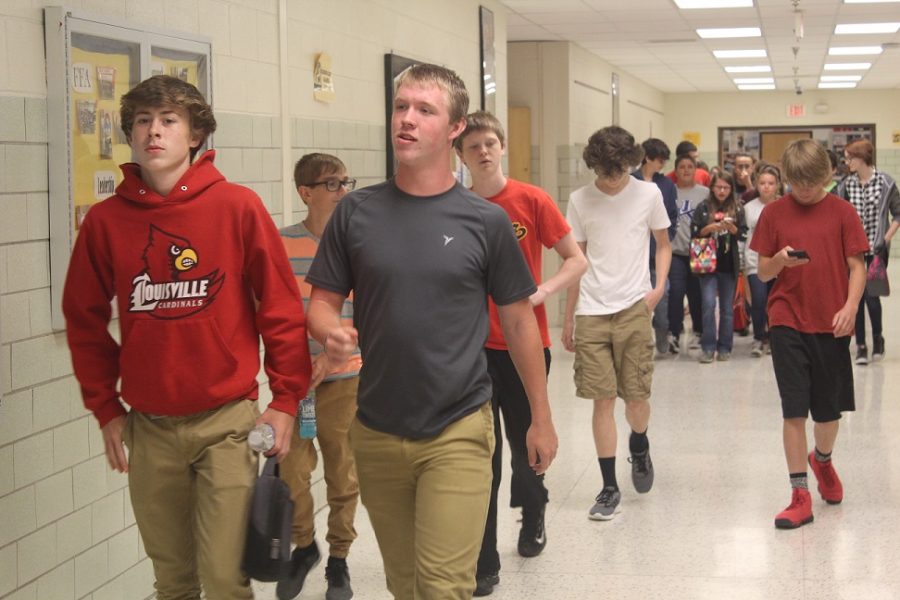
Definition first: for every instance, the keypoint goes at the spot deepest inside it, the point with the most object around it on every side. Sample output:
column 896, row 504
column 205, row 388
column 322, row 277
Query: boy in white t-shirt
column 610, row 331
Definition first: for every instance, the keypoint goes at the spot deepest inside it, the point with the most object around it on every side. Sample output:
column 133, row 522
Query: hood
column 201, row 175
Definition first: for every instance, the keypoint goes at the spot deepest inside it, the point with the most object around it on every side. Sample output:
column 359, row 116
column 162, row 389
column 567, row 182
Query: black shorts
column 814, row 374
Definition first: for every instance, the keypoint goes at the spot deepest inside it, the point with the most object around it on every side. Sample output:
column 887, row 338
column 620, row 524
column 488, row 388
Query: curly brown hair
column 611, row 152
column 165, row 90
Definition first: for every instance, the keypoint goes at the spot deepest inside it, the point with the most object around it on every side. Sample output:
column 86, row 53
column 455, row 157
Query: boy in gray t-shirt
column 421, row 255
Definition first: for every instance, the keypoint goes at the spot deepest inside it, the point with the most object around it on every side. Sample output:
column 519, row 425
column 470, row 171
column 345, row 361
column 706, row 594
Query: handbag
column 877, row 283
column 267, row 550
column 703, row 255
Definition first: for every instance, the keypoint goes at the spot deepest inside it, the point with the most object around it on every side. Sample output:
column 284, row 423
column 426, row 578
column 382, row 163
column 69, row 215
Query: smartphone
column 798, row 254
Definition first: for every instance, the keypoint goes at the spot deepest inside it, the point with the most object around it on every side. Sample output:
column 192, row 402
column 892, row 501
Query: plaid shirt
column 866, row 198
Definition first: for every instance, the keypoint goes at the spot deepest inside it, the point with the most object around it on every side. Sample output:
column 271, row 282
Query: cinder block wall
column 66, row 524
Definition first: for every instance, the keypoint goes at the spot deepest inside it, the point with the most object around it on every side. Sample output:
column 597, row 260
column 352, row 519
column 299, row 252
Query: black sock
column 798, row 480
column 608, row 469
column 821, row 456
column 638, row 442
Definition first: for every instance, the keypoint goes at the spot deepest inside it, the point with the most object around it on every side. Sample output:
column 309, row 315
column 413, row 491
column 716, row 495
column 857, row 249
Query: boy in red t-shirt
column 538, row 223
column 809, row 239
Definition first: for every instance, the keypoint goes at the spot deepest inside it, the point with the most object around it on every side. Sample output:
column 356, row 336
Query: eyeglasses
column 333, row 185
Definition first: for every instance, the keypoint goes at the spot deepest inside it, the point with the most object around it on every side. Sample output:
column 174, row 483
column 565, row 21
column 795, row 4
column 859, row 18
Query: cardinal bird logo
column 520, row 230
column 167, row 287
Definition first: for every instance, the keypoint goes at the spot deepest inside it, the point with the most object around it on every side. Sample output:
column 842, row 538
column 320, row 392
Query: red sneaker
column 798, row 513
column 829, row 483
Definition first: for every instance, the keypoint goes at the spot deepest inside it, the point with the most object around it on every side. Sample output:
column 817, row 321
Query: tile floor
column 705, row 531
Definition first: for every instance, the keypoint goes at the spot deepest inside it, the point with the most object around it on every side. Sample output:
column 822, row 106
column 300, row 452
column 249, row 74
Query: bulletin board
column 91, row 64
column 751, row 140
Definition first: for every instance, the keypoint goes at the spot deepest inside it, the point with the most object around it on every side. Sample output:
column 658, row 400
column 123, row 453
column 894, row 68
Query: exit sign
column 796, row 110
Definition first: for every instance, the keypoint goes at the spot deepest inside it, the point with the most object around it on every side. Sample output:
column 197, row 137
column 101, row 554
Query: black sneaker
column 302, row 562
column 641, row 471
column 338, row 577
column 484, row 584
column 862, row 355
column 532, row 535
column 878, row 348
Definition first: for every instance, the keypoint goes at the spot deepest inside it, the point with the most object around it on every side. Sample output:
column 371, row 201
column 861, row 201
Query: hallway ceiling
column 656, row 42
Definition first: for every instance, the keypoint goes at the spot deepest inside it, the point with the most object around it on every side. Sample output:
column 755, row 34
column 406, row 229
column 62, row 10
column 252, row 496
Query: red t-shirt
column 537, row 222
column 701, row 177
column 806, row 298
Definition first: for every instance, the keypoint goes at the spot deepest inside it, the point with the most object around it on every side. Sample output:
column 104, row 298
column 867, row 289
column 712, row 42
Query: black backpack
column 267, row 551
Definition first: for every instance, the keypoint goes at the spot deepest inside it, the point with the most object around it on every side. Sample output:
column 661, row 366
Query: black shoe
column 862, row 355
column 877, row 348
column 484, row 584
column 642, row 471
column 302, row 562
column 338, row 577
column 532, row 535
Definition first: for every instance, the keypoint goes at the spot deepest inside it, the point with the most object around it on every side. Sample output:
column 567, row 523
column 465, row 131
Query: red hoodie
column 198, row 276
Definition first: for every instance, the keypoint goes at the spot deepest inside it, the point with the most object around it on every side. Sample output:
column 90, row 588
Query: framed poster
column 488, row 61
column 393, row 66
column 91, row 64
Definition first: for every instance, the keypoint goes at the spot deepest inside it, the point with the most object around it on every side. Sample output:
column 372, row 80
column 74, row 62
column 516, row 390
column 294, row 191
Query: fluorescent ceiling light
column 690, row 4
column 840, row 77
column 754, row 80
column 867, row 28
column 846, row 66
column 757, row 86
column 729, row 32
column 836, row 85
column 739, row 53
column 751, row 68
column 854, row 50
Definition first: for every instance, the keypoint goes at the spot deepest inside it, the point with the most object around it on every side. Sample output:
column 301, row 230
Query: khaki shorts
column 614, row 354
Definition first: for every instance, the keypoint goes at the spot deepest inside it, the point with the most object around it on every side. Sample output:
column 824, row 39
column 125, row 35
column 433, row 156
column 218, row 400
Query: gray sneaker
column 606, row 506
column 706, row 358
column 723, row 356
column 641, row 471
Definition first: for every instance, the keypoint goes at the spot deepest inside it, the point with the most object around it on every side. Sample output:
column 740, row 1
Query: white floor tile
column 706, row 530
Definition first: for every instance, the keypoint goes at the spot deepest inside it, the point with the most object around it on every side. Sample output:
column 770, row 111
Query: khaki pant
column 190, row 481
column 335, row 409
column 427, row 500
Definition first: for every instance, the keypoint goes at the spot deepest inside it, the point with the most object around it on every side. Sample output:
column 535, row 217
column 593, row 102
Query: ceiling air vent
column 673, row 41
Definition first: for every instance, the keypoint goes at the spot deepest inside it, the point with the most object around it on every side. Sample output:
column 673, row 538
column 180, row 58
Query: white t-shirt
column 752, row 210
column 617, row 231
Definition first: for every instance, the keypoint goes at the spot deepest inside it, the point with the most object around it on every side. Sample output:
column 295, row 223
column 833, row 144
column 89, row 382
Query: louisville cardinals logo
column 167, row 287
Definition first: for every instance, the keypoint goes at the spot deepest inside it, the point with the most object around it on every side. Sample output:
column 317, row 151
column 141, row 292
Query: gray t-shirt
column 421, row 269
column 688, row 200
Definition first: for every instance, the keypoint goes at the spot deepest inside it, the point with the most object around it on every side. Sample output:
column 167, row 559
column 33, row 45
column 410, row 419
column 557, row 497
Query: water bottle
column 308, row 415
column 261, row 438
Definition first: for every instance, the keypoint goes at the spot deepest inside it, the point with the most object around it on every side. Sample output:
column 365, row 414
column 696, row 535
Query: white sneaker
column 673, row 343
column 756, row 349
column 695, row 342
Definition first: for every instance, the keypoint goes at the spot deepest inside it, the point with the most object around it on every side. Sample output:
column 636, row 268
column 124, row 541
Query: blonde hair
column 481, row 120
column 806, row 163
column 445, row 79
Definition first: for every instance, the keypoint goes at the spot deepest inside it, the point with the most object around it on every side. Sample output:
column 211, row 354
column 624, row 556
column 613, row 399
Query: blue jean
column 712, row 287
column 681, row 282
column 759, row 296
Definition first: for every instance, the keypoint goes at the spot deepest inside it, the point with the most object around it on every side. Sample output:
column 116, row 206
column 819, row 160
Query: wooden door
column 518, row 143
column 773, row 143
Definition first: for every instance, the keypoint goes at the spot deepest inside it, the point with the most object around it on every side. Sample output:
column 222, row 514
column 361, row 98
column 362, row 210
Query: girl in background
column 768, row 188
column 721, row 217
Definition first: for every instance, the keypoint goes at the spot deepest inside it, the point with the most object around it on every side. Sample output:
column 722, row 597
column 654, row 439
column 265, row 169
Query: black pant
column 873, row 303
column 683, row 282
column 527, row 488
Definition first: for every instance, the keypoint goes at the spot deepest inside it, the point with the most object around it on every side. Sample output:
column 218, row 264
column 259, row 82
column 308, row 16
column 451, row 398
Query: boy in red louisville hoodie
column 198, row 272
